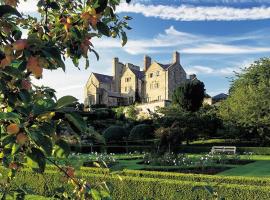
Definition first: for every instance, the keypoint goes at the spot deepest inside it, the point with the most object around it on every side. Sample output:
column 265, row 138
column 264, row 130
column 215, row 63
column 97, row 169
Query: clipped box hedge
column 239, row 150
column 133, row 187
column 199, row 177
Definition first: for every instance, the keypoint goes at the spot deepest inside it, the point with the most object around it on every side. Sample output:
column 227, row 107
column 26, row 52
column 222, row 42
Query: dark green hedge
column 131, row 188
column 239, row 150
column 199, row 177
column 254, row 150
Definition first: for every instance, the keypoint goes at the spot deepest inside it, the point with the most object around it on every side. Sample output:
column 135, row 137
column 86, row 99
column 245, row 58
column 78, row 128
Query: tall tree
column 248, row 104
column 31, row 117
column 189, row 95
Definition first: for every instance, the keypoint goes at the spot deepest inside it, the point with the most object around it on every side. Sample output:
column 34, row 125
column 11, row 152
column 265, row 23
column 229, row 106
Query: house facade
column 129, row 84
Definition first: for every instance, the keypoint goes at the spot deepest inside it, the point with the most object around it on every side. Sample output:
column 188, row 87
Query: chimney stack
column 115, row 60
column 192, row 77
column 117, row 71
column 176, row 57
column 147, row 62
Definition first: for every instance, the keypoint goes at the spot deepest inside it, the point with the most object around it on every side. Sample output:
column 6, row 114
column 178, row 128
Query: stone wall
column 176, row 76
column 90, row 91
column 144, row 108
column 128, row 84
column 155, row 83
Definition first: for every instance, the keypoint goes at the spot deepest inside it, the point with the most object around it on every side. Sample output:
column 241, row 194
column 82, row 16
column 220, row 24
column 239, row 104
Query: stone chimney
column 117, row 70
column 192, row 77
column 146, row 62
column 176, row 57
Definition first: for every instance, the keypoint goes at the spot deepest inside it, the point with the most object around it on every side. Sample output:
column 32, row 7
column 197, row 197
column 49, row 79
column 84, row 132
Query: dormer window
column 151, row 75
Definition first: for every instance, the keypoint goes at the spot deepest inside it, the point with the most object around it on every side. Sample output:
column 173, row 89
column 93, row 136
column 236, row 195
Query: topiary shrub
column 115, row 134
column 141, row 132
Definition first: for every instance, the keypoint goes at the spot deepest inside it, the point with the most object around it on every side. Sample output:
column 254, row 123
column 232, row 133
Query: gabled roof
column 103, row 78
column 220, row 96
column 165, row 66
column 138, row 74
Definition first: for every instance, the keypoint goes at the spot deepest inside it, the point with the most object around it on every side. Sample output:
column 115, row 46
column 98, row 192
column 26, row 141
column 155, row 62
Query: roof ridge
column 101, row 74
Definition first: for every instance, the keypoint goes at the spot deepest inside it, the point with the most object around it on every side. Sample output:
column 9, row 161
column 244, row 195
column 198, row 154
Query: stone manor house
column 128, row 84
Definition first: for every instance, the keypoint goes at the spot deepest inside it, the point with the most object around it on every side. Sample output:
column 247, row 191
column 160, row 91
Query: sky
column 215, row 39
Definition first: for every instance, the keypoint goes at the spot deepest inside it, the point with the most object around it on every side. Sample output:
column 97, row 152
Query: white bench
column 223, row 149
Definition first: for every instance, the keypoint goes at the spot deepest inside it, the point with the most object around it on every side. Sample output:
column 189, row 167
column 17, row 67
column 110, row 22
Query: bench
column 223, row 149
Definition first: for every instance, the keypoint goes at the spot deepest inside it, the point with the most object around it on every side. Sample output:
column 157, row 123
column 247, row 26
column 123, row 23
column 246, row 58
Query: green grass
column 209, row 141
column 259, row 168
column 255, row 157
column 128, row 164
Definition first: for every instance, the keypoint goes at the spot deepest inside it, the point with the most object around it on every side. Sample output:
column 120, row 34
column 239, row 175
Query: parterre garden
column 45, row 142
column 141, row 179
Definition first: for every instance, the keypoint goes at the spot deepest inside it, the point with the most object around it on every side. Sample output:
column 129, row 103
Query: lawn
column 259, row 168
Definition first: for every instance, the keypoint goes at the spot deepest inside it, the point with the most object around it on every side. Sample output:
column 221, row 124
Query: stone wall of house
column 90, row 90
column 129, row 85
column 155, row 83
column 176, row 76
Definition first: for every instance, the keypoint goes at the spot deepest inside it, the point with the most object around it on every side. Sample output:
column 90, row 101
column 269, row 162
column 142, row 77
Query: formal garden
column 52, row 149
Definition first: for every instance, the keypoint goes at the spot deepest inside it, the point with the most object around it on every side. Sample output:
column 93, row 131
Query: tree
column 248, row 104
column 169, row 138
column 201, row 124
column 32, row 117
column 141, row 132
column 189, row 95
column 115, row 134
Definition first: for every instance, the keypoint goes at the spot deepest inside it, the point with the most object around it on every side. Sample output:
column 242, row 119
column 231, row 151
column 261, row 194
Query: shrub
column 141, row 132
column 130, row 187
column 169, row 138
column 115, row 134
column 199, row 177
column 241, row 150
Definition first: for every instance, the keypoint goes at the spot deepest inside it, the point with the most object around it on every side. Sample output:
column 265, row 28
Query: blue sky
column 214, row 37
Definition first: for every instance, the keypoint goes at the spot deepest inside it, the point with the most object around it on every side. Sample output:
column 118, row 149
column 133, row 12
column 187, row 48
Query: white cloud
column 224, row 71
column 196, row 13
column 225, row 49
column 190, row 43
column 204, row 70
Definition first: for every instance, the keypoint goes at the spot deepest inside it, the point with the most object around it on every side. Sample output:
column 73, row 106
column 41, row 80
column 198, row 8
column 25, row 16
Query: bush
column 239, row 150
column 130, row 187
column 199, row 177
column 115, row 134
column 141, row 132
column 169, row 138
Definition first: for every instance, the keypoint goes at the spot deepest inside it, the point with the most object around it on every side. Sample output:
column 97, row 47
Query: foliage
column 169, row 138
column 248, row 104
column 141, row 132
column 167, row 159
column 189, row 95
column 238, row 180
column 32, row 118
column 156, row 185
column 131, row 112
column 183, row 160
column 201, row 124
column 119, row 112
column 115, row 134
column 92, row 136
